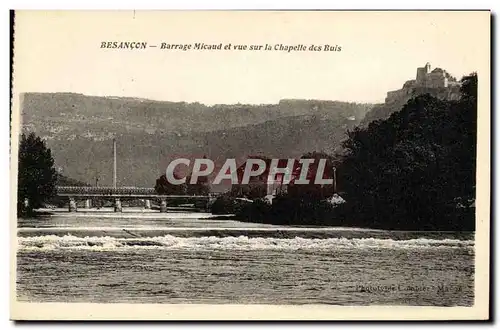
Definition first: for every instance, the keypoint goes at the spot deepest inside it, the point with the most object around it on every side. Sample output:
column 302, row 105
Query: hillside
column 382, row 112
column 385, row 110
column 99, row 117
column 79, row 130
column 65, row 181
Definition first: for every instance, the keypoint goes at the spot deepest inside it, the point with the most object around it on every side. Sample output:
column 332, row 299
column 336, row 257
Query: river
column 140, row 257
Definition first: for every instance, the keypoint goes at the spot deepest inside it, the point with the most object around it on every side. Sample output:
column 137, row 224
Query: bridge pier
column 210, row 201
column 163, row 206
column 95, row 197
column 118, row 205
column 72, row 205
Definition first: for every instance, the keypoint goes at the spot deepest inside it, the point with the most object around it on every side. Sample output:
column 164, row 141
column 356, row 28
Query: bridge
column 117, row 195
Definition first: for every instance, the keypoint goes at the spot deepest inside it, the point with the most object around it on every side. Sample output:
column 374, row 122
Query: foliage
column 66, row 181
column 414, row 171
column 223, row 131
column 312, row 190
column 225, row 204
column 252, row 190
column 411, row 170
column 164, row 187
column 287, row 210
column 36, row 173
column 200, row 188
column 258, row 211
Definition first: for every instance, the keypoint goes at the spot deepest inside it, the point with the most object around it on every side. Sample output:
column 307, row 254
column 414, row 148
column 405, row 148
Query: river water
column 191, row 258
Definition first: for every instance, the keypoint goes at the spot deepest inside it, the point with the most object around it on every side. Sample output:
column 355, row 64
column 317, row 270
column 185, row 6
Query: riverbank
column 285, row 210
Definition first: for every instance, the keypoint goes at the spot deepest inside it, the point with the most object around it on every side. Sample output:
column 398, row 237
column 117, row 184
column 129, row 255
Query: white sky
column 59, row 52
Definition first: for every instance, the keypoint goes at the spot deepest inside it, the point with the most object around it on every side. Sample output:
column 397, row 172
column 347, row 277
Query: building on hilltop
column 437, row 82
column 437, row 78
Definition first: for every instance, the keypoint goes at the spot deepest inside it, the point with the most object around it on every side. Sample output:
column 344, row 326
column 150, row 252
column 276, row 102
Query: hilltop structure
column 437, row 82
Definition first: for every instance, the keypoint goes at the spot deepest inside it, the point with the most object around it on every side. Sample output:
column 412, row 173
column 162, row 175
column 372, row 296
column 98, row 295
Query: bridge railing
column 105, row 190
column 111, row 191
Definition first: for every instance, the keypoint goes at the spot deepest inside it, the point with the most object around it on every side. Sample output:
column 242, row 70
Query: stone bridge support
column 210, row 202
column 163, row 205
column 88, row 203
column 118, row 205
column 72, row 205
column 147, row 204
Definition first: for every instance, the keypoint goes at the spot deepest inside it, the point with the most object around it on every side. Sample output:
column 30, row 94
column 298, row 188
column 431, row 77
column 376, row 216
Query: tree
column 413, row 169
column 313, row 190
column 164, row 187
column 200, row 188
column 36, row 175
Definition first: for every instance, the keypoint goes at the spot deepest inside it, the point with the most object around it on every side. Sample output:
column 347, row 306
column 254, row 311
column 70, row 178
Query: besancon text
column 254, row 167
column 124, row 44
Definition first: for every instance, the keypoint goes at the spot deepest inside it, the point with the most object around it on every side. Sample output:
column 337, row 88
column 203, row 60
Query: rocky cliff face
column 437, row 83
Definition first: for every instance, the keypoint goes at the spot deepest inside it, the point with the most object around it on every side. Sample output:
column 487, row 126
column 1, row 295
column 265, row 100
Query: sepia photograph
column 220, row 165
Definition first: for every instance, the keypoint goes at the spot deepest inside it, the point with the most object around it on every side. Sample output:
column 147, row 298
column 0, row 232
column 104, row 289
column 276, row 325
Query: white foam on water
column 242, row 243
column 205, row 228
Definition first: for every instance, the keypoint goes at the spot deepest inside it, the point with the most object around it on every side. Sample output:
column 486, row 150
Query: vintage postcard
column 267, row 165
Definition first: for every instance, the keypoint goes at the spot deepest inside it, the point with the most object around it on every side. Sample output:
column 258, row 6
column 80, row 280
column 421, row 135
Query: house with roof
column 260, row 186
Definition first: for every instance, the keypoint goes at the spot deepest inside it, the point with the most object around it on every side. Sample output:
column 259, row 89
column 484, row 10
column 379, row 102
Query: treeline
column 415, row 171
column 37, row 176
column 200, row 188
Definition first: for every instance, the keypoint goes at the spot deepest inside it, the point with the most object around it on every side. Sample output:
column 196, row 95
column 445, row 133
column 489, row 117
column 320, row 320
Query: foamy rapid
column 242, row 243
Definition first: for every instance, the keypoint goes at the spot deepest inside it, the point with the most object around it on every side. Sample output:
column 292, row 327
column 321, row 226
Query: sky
column 59, row 51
